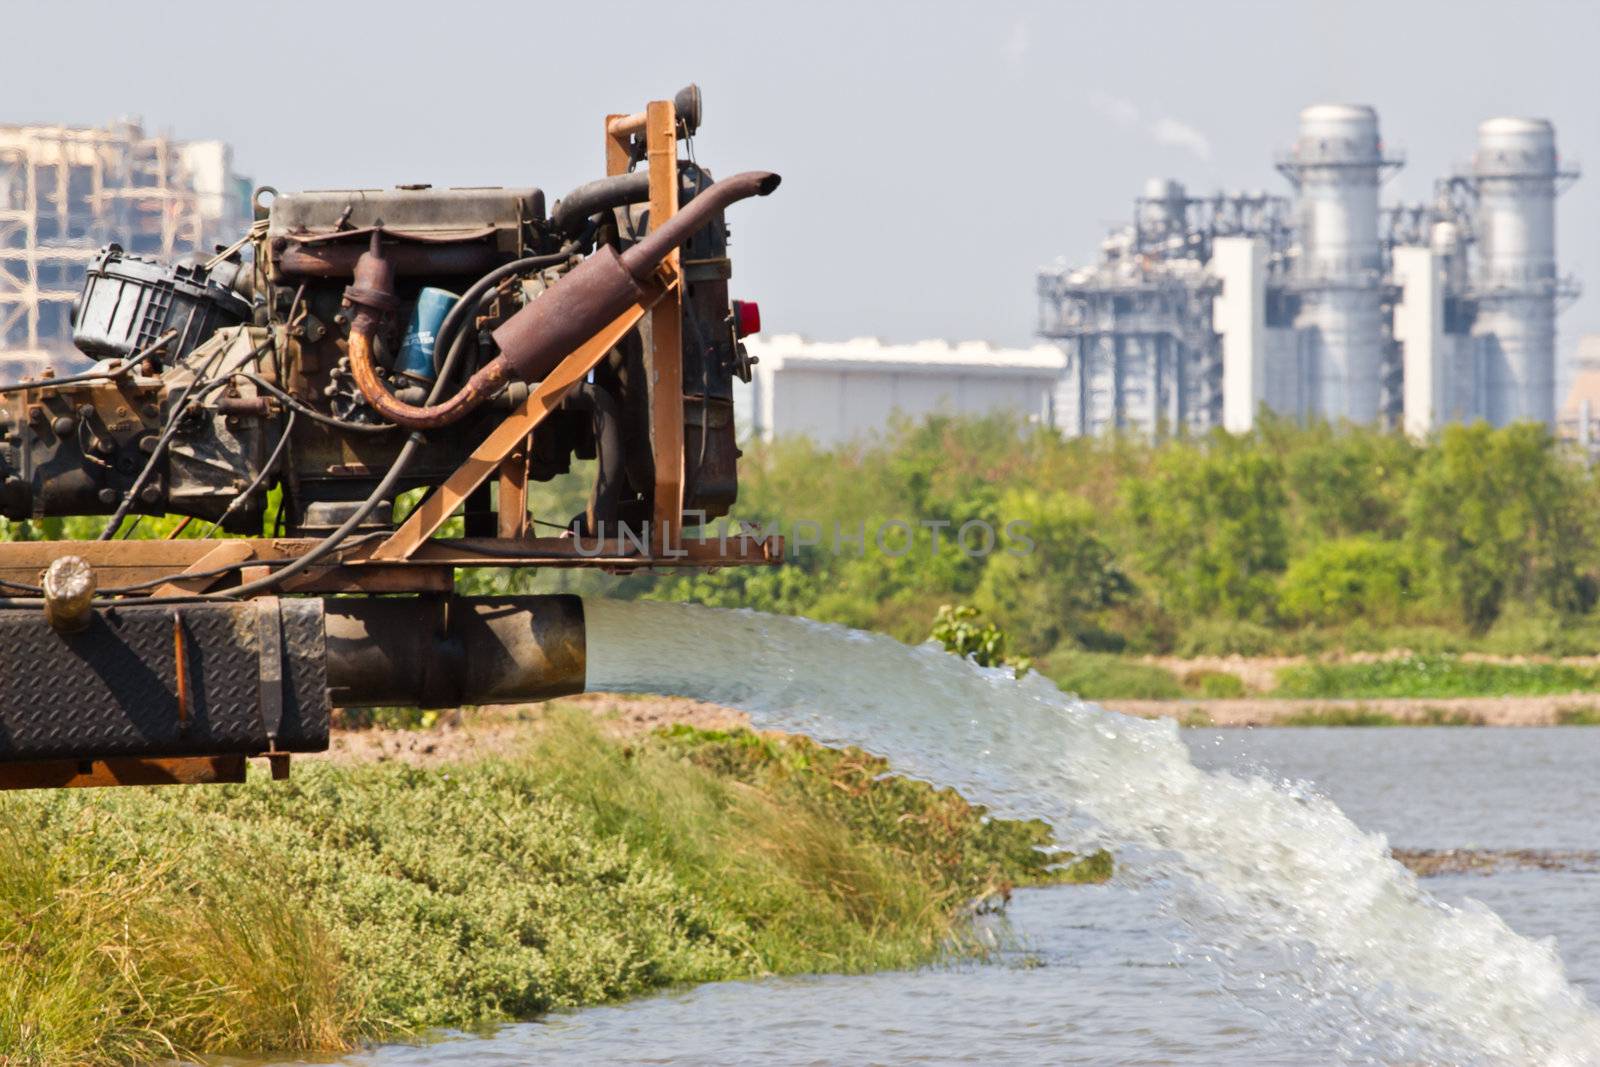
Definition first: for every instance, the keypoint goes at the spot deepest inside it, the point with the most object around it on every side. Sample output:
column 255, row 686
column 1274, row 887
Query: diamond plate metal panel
column 112, row 689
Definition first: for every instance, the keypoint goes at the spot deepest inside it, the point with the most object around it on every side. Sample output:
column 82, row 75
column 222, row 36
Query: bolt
column 64, row 425
column 151, row 493
column 107, row 496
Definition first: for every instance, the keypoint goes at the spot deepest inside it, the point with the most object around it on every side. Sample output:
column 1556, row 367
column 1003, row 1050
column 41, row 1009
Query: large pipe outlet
column 442, row 653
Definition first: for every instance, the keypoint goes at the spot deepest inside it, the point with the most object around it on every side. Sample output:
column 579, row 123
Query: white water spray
column 1381, row 969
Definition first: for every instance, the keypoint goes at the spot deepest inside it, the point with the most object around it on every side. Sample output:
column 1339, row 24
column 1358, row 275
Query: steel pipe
column 442, row 653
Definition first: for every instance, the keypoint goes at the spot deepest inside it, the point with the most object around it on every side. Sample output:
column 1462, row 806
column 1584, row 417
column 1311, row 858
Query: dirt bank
column 462, row 735
column 1469, row 711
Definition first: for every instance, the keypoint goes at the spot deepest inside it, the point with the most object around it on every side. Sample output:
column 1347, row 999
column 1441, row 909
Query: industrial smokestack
column 1515, row 171
column 1335, row 165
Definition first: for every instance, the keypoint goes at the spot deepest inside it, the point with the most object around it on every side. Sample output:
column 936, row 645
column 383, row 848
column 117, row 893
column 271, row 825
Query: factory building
column 834, row 392
column 1323, row 304
column 67, row 191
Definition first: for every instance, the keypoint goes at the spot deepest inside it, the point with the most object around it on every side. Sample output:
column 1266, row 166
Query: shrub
column 962, row 632
column 1345, row 579
column 1058, row 587
column 1218, row 685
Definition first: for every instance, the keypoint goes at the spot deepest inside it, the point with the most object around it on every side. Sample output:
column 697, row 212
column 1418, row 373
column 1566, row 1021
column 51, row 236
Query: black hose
column 458, row 314
column 309, row 412
column 603, row 194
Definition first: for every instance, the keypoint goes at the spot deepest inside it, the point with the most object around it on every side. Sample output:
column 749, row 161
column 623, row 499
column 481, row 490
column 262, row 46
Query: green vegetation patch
column 1433, row 676
column 378, row 900
column 1363, row 716
column 1107, row 676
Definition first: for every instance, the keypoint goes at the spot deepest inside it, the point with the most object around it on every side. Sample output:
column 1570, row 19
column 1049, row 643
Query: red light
column 746, row 317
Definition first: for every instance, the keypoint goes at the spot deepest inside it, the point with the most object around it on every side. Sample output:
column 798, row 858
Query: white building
column 835, row 391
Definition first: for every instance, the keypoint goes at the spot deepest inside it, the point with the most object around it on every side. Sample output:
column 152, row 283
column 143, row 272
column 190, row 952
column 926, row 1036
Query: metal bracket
column 269, row 641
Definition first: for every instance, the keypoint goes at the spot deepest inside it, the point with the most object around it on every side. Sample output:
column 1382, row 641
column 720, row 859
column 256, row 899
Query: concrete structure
column 1239, row 313
column 1204, row 309
column 67, row 191
column 833, row 392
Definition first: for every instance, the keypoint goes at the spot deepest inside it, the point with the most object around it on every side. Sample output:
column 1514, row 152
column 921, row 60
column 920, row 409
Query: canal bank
column 557, row 861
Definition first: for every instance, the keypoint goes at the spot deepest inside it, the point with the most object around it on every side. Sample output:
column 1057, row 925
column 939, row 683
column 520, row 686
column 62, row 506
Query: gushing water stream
column 1303, row 914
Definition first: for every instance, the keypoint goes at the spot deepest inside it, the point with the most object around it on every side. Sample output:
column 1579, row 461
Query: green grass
column 380, row 900
column 1218, row 685
column 1360, row 716
column 1108, row 676
column 1433, row 676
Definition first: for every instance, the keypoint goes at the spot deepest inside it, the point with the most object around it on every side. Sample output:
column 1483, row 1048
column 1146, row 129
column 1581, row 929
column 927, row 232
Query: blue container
column 422, row 330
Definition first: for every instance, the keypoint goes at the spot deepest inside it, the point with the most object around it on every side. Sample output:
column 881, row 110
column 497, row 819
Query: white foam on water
column 1304, row 915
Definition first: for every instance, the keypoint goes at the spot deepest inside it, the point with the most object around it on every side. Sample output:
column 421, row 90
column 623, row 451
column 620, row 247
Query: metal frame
column 410, row 560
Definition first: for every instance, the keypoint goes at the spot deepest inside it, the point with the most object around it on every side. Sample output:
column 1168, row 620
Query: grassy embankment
column 1102, row 676
column 374, row 900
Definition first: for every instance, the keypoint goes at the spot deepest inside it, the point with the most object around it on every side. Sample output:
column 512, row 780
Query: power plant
column 1324, row 304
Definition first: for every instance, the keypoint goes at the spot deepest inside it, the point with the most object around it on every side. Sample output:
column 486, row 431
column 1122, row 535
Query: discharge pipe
column 551, row 326
column 449, row 651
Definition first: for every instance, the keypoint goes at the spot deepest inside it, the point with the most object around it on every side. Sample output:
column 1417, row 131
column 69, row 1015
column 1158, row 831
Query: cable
column 171, row 427
column 218, row 571
column 261, row 475
column 109, row 374
column 132, row 492
column 300, row 407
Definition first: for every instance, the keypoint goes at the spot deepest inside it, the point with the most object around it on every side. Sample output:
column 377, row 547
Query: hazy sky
column 934, row 155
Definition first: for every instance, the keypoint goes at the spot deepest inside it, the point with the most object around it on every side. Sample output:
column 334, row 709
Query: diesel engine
column 347, row 323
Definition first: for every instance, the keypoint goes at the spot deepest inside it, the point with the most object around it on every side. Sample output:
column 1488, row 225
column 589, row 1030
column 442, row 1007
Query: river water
column 1251, row 922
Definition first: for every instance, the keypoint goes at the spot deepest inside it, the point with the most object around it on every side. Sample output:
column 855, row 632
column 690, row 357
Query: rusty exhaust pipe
column 448, row 652
column 550, row 327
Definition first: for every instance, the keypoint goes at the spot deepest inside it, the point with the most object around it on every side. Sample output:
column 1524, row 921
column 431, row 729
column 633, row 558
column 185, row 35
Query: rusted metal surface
column 442, row 653
column 422, row 523
column 186, row 692
column 410, row 259
column 180, row 668
column 664, row 360
column 484, row 383
column 73, row 774
column 593, row 293
column 665, row 237
column 511, row 507
column 534, row 340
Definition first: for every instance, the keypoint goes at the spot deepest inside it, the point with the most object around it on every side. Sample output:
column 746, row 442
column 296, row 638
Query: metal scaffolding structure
column 66, row 192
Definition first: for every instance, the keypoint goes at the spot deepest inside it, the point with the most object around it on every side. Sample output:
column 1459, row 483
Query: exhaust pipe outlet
column 544, row 332
column 442, row 653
